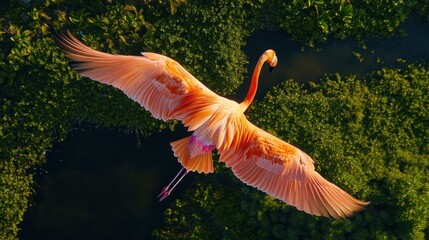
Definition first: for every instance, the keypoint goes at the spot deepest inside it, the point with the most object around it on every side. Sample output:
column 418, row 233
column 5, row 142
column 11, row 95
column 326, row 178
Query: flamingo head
column 271, row 59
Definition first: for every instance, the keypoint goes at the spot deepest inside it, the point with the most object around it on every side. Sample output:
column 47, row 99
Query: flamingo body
column 163, row 87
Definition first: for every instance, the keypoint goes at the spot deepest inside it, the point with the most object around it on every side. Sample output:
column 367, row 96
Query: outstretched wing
column 287, row 173
column 155, row 81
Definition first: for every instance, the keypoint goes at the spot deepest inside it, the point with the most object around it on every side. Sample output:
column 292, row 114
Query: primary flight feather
column 163, row 87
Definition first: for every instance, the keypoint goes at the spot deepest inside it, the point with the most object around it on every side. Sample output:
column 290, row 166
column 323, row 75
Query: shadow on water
column 100, row 185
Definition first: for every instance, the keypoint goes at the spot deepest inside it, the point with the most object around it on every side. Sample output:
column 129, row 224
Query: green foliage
column 422, row 9
column 368, row 136
column 206, row 37
column 316, row 19
column 380, row 18
column 309, row 21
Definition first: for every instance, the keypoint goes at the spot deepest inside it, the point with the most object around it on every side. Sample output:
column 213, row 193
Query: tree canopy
column 368, row 135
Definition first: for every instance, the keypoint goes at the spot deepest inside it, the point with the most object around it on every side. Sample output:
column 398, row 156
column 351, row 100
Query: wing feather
column 156, row 82
column 287, row 173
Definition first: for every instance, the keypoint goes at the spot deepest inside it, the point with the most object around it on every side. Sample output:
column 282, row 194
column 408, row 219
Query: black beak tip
column 271, row 69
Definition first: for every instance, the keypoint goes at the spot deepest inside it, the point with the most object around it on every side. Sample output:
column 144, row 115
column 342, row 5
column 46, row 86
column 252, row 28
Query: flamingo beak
column 273, row 64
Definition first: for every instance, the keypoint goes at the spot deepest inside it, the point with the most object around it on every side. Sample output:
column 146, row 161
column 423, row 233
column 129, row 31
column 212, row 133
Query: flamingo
column 164, row 88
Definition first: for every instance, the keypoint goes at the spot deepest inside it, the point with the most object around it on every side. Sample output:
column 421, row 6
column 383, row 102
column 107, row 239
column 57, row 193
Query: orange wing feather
column 155, row 81
column 287, row 173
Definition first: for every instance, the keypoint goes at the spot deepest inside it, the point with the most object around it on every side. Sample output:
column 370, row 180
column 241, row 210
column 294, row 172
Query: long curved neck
column 254, row 84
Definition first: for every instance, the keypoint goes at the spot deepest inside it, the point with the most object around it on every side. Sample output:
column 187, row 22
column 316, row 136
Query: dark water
column 336, row 56
column 100, row 185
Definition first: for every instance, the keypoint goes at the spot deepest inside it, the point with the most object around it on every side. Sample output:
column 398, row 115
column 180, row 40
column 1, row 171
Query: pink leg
column 166, row 190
